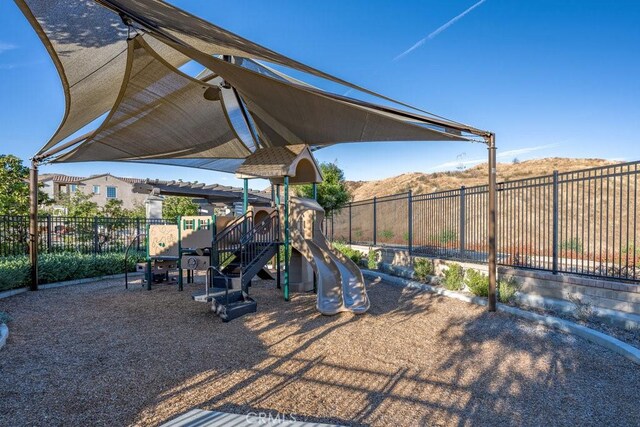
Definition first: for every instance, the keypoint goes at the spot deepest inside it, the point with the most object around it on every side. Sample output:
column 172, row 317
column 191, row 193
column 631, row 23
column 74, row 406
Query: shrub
column 353, row 254
column 422, row 268
column 58, row 267
column 507, row 289
column 386, row 234
column 445, row 237
column 372, row 259
column 453, row 277
column 4, row 318
column 477, row 283
column 573, row 245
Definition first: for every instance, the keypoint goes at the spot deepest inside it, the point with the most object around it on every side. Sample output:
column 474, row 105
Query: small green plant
column 573, row 245
column 357, row 233
column 423, row 268
column 4, row 317
column 453, row 277
column 386, row 234
column 583, row 310
column 477, row 283
column 405, row 236
column 372, row 259
column 353, row 254
column 507, row 289
column 445, row 237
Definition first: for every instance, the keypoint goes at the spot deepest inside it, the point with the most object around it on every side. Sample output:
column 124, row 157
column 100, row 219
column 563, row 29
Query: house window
column 112, row 192
column 96, row 189
column 73, row 188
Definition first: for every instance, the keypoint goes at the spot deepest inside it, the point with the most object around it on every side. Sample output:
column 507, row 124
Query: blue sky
column 550, row 77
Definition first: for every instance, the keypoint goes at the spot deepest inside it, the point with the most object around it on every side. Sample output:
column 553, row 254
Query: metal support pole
column 278, row 280
column 245, row 196
column 33, row 224
column 286, row 238
column 315, row 191
column 278, row 195
column 375, row 222
column 492, row 222
column 463, row 230
column 410, row 223
column 555, row 223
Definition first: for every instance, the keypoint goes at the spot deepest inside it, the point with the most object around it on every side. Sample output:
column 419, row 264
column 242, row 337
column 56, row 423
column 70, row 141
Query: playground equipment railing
column 227, row 242
column 257, row 240
column 582, row 222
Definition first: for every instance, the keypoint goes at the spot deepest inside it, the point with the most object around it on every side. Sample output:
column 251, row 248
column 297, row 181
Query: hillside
column 421, row 183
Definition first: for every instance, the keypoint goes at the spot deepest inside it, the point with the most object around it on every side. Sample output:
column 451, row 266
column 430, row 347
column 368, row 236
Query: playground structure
column 137, row 47
column 233, row 250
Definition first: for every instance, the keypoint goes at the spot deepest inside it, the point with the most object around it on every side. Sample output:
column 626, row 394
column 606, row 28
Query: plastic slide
column 341, row 286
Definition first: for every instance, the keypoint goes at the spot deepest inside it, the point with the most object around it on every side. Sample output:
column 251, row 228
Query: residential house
column 103, row 187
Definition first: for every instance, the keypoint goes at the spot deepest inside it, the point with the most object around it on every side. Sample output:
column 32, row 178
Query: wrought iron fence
column 583, row 222
column 72, row 234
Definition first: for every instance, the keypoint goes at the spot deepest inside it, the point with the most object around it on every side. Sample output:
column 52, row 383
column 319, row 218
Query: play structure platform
column 286, row 233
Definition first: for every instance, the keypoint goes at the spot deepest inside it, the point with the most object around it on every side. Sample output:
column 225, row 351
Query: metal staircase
column 239, row 253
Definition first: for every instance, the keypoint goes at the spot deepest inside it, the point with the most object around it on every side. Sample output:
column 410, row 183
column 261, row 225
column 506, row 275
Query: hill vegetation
column 421, row 183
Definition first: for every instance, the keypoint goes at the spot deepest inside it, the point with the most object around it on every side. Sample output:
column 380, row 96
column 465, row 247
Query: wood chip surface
column 98, row 354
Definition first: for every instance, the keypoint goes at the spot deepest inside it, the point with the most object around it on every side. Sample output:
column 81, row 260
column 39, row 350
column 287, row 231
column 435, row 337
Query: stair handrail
column 271, row 223
column 221, row 242
column 226, row 283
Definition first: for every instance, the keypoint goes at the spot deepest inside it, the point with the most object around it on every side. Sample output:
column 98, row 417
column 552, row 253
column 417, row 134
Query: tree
column 78, row 204
column 174, row 206
column 332, row 191
column 14, row 187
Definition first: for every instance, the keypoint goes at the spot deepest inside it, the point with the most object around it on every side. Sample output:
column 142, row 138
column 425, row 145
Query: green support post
column 313, row 233
column 149, row 273
column 245, row 196
column 286, row 238
column 315, row 191
column 180, row 286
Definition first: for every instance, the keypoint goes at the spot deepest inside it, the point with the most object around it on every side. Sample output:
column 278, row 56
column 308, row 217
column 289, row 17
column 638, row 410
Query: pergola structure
column 122, row 58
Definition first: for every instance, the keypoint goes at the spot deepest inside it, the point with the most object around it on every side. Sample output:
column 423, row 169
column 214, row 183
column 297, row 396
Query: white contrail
column 438, row 31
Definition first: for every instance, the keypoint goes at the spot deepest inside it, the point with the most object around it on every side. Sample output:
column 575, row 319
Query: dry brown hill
column 421, row 183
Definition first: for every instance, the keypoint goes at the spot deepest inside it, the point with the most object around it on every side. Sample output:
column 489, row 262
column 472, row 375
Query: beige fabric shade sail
column 158, row 114
column 161, row 113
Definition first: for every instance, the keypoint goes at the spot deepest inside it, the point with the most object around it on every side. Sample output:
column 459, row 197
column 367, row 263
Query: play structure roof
column 122, row 58
column 274, row 163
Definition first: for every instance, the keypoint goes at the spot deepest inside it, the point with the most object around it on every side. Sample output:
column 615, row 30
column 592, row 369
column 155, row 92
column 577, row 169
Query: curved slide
column 341, row 286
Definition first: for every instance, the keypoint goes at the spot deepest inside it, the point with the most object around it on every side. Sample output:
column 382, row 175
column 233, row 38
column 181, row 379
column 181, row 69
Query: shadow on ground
column 98, row 354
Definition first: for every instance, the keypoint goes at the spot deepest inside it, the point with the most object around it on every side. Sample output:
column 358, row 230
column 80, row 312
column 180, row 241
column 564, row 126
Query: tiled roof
column 62, row 179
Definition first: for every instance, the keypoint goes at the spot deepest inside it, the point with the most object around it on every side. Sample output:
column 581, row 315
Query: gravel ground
column 99, row 355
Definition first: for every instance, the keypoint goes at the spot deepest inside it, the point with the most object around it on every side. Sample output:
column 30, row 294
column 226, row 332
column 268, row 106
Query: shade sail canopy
column 88, row 45
column 159, row 115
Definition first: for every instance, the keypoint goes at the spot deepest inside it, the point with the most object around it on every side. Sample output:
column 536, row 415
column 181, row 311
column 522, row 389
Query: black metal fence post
column 96, row 242
column 49, row 225
column 554, row 268
column 350, row 239
column 410, row 222
column 138, row 232
column 375, row 222
column 462, row 223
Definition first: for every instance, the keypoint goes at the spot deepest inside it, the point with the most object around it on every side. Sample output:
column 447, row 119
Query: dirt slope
column 421, row 183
